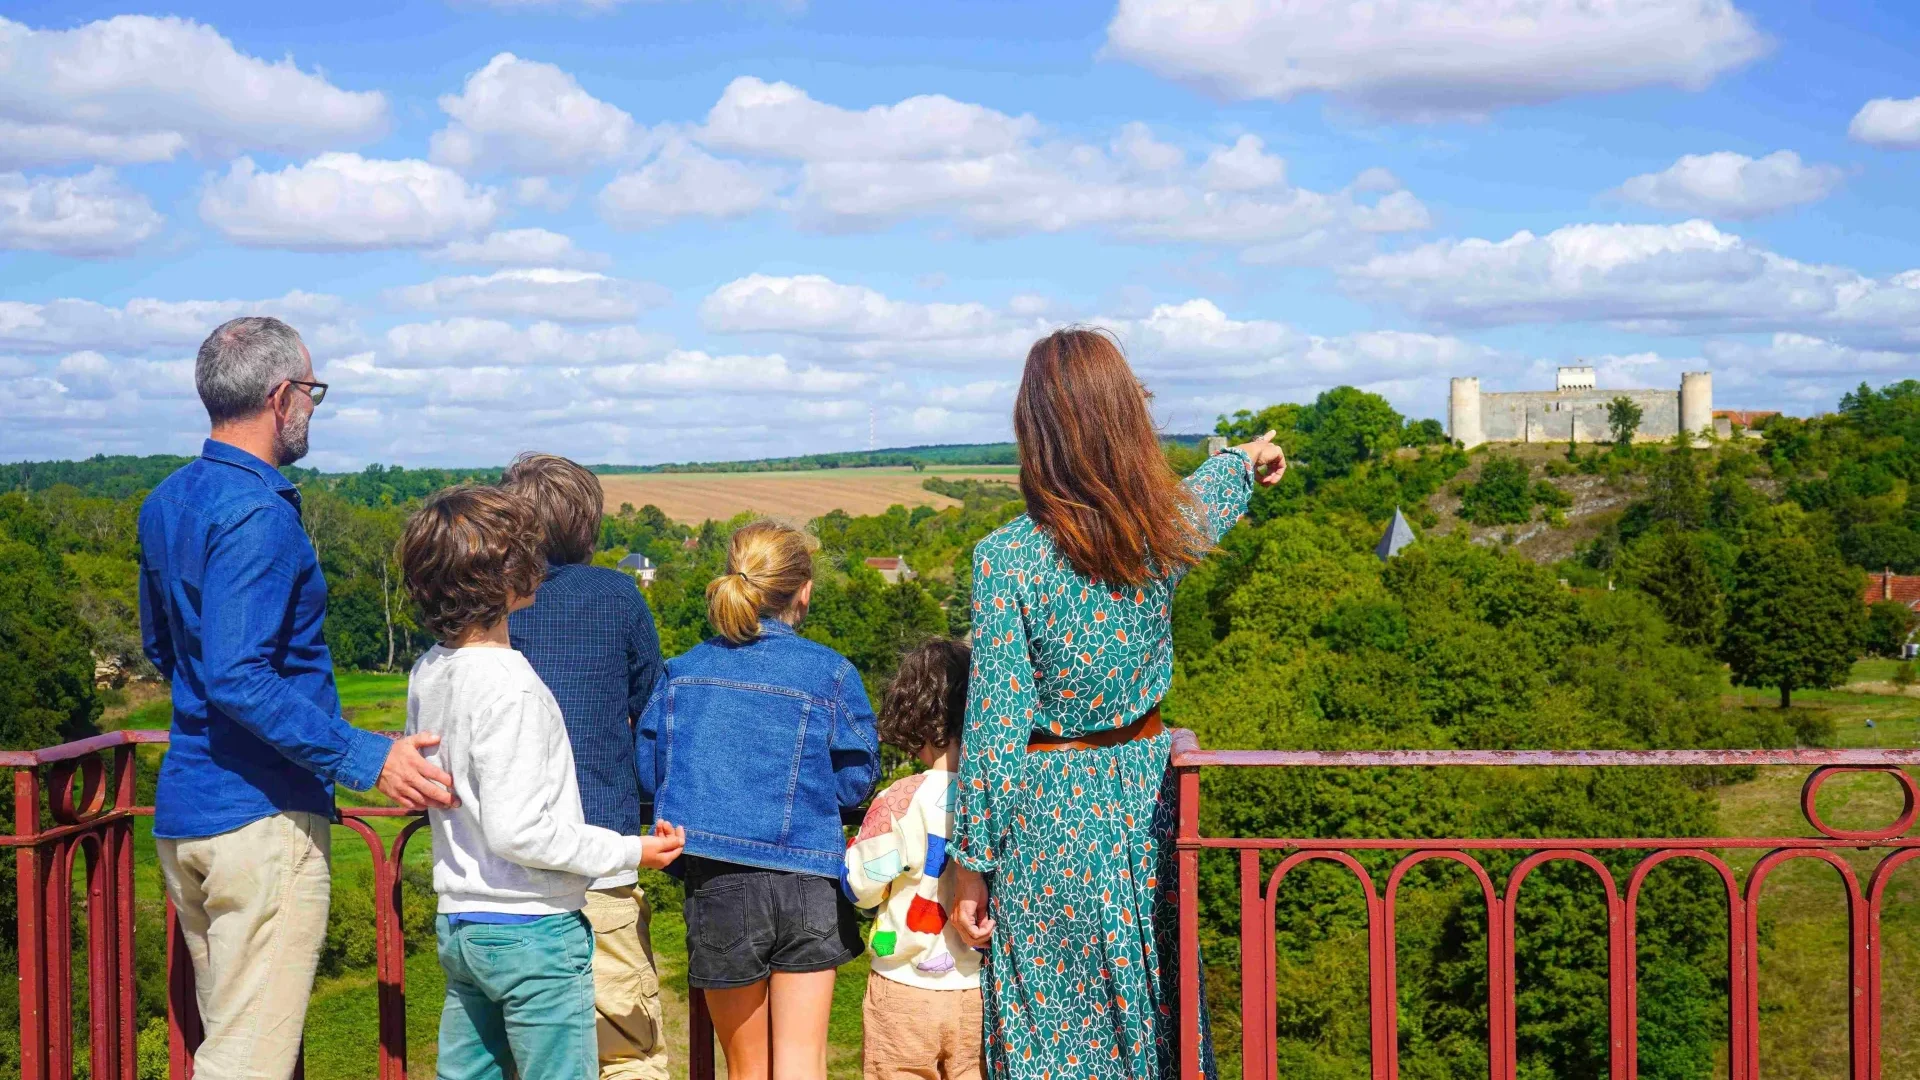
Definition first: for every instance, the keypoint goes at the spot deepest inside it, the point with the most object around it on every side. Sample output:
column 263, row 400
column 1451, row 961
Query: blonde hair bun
column 767, row 565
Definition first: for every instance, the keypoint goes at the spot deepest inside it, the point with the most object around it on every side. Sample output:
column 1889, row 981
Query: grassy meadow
column 1804, row 926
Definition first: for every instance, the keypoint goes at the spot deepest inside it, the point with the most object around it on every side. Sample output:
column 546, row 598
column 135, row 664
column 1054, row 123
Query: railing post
column 28, row 891
column 699, row 1036
column 1256, row 972
column 1188, row 779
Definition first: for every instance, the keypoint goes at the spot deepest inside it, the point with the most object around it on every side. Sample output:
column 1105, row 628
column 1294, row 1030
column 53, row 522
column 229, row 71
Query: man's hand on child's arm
column 411, row 780
column 970, row 907
column 663, row 846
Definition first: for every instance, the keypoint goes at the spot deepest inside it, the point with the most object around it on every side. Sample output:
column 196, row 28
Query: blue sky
column 644, row 231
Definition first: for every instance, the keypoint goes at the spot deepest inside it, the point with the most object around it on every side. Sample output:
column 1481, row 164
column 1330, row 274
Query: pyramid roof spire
column 1398, row 535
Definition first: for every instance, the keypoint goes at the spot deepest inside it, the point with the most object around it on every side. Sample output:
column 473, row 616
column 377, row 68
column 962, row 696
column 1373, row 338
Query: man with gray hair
column 232, row 604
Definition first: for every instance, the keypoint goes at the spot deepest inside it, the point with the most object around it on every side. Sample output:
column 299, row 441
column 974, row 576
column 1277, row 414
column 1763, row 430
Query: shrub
column 1501, row 496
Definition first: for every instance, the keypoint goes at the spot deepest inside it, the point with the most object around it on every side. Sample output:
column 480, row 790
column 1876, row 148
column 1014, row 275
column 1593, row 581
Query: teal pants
column 519, row 1001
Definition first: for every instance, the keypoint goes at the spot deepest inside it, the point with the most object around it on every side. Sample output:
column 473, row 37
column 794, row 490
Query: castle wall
column 1543, row 416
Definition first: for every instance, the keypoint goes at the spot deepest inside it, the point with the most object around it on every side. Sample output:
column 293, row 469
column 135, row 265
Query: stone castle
column 1575, row 410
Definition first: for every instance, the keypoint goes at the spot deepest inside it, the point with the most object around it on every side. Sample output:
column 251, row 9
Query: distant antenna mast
column 870, row 429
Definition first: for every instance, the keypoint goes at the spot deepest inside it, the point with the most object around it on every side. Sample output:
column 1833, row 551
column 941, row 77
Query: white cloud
column 932, row 156
column 521, row 247
column 90, row 214
column 779, row 120
column 469, row 342
column 683, row 370
column 33, row 145
column 1683, row 278
column 147, row 325
column 1197, row 357
column 135, row 88
column 1246, row 166
column 685, row 181
column 527, row 116
column 1429, row 59
column 1729, row 185
column 542, row 192
column 814, row 306
column 344, row 202
column 541, row 293
column 1888, row 122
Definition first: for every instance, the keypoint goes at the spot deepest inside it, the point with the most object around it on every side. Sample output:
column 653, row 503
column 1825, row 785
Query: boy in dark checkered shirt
column 591, row 639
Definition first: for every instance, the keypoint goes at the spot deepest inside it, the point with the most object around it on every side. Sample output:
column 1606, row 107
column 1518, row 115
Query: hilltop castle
column 1574, row 410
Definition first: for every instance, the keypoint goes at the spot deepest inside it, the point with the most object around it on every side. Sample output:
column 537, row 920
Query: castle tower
column 1696, row 403
column 1463, row 412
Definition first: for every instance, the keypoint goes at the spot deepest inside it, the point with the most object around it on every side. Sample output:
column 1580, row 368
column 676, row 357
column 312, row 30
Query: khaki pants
column 252, row 905
column 920, row 1034
column 626, row 989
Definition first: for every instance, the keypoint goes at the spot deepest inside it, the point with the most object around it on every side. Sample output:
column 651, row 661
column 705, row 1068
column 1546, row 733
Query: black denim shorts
column 745, row 923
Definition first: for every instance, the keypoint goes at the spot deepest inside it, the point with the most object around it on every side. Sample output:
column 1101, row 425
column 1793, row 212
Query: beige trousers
column 915, row 1034
column 252, row 905
column 626, row 988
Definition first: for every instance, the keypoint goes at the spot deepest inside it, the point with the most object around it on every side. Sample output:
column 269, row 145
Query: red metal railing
column 77, row 801
column 1259, row 896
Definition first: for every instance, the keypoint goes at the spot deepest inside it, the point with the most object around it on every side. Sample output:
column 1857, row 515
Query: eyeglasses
column 315, row 390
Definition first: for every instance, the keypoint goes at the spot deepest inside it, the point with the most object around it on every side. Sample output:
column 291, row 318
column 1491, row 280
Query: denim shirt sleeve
column 256, row 561
column 854, row 743
column 156, row 638
column 649, row 764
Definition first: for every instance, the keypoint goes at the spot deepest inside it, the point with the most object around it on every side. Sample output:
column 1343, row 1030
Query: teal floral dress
column 1078, row 844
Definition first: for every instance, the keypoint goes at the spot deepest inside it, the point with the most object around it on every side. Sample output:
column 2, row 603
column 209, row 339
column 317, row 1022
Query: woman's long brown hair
column 1091, row 467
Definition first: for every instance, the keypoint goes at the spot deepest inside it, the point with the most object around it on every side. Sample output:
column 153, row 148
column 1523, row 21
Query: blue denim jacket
column 232, row 605
column 755, row 749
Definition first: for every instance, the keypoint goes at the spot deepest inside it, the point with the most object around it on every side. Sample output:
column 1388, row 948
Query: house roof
column 1902, row 587
column 887, row 562
column 1745, row 417
column 636, row 561
column 1398, row 535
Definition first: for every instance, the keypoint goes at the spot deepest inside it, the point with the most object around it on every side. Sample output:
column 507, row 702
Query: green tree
column 1889, row 623
column 1794, row 618
column 46, row 659
column 1676, row 491
column 1623, row 419
column 1502, row 495
column 1676, row 573
column 1345, row 427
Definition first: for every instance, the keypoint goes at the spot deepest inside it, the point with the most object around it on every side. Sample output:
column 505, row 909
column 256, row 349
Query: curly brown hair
column 565, row 498
column 466, row 553
column 926, row 702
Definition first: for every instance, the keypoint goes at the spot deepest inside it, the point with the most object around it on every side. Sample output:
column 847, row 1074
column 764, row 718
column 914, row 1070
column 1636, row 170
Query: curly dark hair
column 465, row 552
column 927, row 699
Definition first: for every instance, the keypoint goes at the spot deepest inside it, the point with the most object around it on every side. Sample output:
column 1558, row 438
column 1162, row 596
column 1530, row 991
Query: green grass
column 1803, row 952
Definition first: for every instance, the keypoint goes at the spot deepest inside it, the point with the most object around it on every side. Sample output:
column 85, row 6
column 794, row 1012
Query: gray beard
column 290, row 442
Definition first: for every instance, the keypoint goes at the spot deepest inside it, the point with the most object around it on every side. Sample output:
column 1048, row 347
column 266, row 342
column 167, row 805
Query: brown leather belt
column 1144, row 728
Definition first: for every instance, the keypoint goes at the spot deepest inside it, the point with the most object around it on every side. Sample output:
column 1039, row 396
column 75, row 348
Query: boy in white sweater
column 513, row 858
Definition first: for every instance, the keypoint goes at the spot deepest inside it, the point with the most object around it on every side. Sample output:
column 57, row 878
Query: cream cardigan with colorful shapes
column 899, row 865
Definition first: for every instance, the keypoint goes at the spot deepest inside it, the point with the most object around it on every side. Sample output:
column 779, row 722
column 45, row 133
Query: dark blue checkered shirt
column 590, row 638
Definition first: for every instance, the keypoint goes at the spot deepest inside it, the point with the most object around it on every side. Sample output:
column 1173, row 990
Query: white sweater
column 518, row 842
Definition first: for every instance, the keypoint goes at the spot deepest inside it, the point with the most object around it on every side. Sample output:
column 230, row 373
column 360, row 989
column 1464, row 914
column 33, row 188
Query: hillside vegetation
column 1293, row 635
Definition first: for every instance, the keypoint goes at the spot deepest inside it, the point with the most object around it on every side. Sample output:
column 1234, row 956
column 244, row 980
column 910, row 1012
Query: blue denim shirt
column 590, row 638
column 755, row 749
column 231, row 609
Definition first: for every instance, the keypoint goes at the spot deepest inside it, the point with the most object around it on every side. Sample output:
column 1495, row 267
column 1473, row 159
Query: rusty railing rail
column 1259, row 896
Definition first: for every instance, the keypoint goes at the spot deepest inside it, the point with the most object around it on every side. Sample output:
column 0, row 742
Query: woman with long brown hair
column 1063, row 821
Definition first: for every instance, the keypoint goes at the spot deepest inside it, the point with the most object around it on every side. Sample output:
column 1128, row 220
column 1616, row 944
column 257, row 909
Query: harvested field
column 692, row 498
